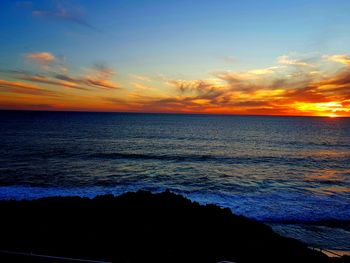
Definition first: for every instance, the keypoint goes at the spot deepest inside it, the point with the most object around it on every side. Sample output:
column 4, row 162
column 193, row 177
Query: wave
column 316, row 144
column 281, row 160
column 165, row 157
column 276, row 207
column 281, row 206
column 331, row 223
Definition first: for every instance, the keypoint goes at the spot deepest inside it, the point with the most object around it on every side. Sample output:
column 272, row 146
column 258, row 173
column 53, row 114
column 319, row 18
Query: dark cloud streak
column 61, row 12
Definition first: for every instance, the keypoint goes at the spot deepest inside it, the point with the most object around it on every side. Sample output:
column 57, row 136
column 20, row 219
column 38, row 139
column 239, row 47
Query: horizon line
column 171, row 113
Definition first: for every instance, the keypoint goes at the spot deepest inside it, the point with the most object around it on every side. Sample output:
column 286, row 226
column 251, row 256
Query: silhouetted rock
column 142, row 227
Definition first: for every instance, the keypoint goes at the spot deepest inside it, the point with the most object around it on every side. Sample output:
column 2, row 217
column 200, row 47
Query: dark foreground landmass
column 140, row 227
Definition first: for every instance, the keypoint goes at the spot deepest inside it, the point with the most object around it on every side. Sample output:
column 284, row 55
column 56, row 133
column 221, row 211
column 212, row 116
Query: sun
column 333, row 115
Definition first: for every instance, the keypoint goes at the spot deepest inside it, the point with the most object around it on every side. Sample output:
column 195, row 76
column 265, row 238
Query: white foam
column 273, row 207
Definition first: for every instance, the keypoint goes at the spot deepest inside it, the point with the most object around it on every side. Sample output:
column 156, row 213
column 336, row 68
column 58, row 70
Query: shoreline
column 153, row 226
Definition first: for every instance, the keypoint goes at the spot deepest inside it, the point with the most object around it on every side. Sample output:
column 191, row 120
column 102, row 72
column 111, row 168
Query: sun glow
column 333, row 115
column 327, row 109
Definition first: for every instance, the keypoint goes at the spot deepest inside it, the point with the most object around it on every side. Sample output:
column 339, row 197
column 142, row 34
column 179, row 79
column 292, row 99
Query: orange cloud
column 344, row 59
column 98, row 77
column 141, row 86
column 36, row 91
column 275, row 91
column 46, row 80
column 22, row 88
column 290, row 87
column 41, row 57
column 287, row 60
column 141, row 78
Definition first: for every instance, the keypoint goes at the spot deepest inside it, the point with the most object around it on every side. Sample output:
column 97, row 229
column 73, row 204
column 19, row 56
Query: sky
column 250, row 57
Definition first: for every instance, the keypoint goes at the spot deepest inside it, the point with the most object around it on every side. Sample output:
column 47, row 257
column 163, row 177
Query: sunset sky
column 229, row 57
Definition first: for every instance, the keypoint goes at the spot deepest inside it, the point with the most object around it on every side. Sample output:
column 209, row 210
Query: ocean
column 292, row 173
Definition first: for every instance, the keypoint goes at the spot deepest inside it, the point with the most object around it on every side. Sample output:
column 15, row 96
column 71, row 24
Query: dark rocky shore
column 141, row 227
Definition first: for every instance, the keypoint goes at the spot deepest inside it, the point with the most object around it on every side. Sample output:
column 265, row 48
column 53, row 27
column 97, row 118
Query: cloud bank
column 317, row 86
column 291, row 87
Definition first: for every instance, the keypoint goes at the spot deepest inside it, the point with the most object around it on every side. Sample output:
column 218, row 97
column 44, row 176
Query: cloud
column 50, row 81
column 344, row 59
column 340, row 80
column 82, row 83
column 295, row 88
column 42, row 58
column 287, row 60
column 64, row 13
column 194, row 86
column 27, row 106
column 263, row 71
column 101, row 83
column 292, row 88
column 100, row 76
column 47, row 61
column 95, row 79
column 141, row 78
column 141, row 86
column 23, row 88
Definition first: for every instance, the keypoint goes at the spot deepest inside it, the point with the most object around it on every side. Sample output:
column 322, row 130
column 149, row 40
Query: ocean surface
column 290, row 172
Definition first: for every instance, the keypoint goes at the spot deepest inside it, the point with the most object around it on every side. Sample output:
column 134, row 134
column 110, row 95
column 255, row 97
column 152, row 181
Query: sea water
column 290, row 172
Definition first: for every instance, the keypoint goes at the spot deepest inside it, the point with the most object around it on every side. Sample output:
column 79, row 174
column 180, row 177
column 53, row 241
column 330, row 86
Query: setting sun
column 333, row 115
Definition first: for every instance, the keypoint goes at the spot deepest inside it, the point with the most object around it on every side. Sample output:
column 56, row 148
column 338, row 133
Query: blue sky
column 176, row 36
